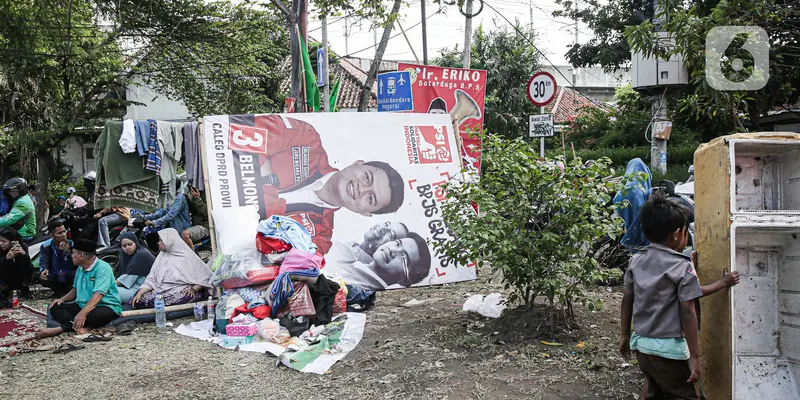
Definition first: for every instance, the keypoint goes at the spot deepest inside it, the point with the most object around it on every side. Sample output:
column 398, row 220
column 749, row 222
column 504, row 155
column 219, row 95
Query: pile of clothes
column 277, row 291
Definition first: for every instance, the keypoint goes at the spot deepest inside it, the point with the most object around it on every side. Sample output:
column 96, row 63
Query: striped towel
column 153, row 152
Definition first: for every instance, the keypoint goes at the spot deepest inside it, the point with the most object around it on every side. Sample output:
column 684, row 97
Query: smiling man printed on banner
column 298, row 181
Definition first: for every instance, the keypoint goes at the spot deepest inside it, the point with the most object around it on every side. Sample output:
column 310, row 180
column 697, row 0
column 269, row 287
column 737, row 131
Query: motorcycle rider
column 22, row 215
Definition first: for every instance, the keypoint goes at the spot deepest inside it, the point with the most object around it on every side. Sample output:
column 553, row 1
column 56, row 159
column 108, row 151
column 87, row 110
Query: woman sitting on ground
column 135, row 262
column 16, row 269
column 178, row 273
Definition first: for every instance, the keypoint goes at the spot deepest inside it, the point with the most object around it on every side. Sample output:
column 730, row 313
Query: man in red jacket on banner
column 298, row 182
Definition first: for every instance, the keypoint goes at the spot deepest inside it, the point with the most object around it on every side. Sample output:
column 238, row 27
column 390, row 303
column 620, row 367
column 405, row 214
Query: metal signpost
column 542, row 90
column 394, row 91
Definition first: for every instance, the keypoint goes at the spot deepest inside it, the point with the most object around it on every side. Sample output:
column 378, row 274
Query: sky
column 446, row 29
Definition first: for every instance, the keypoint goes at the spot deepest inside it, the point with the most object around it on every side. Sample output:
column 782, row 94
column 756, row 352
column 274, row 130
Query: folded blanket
column 121, row 181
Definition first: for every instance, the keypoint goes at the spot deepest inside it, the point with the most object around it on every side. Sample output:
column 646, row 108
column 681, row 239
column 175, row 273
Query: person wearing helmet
column 22, row 216
column 89, row 184
column 73, row 200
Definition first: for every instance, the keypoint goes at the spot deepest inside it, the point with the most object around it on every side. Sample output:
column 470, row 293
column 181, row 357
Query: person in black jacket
column 16, row 269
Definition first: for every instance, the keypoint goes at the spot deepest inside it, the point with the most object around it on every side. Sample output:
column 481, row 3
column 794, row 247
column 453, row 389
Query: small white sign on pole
column 541, row 125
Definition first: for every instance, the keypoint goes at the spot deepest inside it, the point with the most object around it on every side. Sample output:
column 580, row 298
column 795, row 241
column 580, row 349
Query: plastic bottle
column 15, row 299
column 161, row 315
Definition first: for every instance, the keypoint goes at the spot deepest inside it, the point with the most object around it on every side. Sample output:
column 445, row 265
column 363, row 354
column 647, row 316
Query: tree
column 372, row 75
column 65, row 66
column 688, row 28
column 625, row 125
column 535, row 223
column 237, row 72
column 509, row 60
column 695, row 107
column 607, row 22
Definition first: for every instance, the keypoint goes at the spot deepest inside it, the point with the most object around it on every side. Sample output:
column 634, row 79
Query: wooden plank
column 148, row 311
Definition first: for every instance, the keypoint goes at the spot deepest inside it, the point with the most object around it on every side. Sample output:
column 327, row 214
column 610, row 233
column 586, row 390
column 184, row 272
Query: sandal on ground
column 97, row 338
column 66, row 348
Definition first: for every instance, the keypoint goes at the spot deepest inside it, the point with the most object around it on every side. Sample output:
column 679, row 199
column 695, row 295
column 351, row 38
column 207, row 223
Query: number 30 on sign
column 542, row 88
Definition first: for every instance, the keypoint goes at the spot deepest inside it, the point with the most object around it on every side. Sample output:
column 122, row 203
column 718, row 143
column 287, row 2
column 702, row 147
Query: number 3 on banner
column 248, row 138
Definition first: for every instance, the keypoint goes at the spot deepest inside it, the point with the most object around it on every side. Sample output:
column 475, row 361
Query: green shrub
column 620, row 156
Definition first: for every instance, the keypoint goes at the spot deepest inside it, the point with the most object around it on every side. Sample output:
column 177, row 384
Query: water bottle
column 211, row 309
column 161, row 315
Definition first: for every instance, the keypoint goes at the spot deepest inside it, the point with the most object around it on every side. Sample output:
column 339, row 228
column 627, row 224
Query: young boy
column 661, row 288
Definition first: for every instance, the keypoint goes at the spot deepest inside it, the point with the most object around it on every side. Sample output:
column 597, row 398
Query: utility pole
column 468, row 35
column 346, row 37
column 407, row 41
column 530, row 5
column 424, row 35
column 658, row 147
column 574, row 69
column 326, row 92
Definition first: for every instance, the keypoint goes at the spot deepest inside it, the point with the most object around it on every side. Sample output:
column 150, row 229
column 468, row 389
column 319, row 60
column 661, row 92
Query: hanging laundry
column 170, row 140
column 128, row 139
column 142, row 133
column 194, row 163
column 153, row 162
column 288, row 230
column 121, row 182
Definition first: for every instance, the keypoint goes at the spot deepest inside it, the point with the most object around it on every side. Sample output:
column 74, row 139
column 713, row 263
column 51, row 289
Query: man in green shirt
column 93, row 301
column 22, row 216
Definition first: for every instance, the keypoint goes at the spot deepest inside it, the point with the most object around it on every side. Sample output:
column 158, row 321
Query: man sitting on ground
column 96, row 299
column 55, row 261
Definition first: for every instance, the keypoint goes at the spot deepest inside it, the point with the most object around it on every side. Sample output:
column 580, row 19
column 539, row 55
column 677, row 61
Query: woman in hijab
column 135, row 262
column 16, row 269
column 178, row 274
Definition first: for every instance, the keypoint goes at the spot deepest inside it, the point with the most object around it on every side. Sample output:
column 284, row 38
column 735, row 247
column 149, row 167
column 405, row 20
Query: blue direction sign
column 394, row 91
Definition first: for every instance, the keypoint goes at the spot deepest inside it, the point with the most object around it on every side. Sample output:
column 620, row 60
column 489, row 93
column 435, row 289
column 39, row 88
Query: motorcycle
column 615, row 252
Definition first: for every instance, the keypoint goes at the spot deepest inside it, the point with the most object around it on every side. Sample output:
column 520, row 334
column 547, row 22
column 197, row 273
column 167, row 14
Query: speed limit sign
column 542, row 88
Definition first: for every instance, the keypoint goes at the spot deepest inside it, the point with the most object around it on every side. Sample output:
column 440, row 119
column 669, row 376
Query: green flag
column 335, row 95
column 312, row 91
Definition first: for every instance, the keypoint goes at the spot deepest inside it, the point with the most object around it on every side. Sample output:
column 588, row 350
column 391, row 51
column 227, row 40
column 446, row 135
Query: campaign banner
column 455, row 91
column 368, row 187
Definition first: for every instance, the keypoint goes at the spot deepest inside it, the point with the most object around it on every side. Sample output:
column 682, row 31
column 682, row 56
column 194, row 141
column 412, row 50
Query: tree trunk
column 44, row 159
column 366, row 92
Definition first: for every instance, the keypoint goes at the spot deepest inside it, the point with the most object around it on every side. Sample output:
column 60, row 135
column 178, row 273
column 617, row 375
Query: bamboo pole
column 148, row 311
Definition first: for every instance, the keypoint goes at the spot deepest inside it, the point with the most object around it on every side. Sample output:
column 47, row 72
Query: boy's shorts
column 666, row 379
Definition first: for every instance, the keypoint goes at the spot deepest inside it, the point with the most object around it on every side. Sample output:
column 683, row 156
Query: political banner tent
column 455, row 91
column 366, row 186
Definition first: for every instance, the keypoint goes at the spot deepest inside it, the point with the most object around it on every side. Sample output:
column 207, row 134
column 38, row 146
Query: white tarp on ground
column 344, row 334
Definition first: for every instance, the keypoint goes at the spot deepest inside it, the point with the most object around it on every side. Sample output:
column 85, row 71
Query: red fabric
column 270, row 245
column 297, row 158
column 340, row 302
column 254, row 277
column 260, row 312
column 19, row 325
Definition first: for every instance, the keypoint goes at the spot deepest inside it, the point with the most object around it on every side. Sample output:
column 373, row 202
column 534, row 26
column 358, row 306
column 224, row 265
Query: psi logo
column 427, row 145
column 737, row 58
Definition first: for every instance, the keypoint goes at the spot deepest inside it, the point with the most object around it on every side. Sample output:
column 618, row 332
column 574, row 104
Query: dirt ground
column 430, row 351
